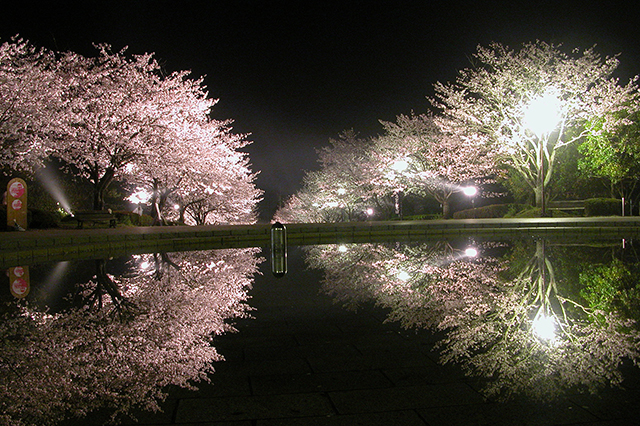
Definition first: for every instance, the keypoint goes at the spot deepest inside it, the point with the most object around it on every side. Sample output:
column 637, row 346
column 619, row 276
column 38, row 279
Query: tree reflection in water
column 125, row 339
column 507, row 317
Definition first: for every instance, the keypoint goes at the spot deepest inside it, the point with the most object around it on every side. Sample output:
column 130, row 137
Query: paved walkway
column 37, row 246
column 305, row 361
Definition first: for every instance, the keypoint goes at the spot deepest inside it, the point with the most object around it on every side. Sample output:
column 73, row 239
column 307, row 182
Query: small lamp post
column 541, row 116
column 471, row 191
column 399, row 166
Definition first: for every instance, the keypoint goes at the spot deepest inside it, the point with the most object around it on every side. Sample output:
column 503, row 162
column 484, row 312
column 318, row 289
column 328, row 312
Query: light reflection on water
column 533, row 317
column 536, row 318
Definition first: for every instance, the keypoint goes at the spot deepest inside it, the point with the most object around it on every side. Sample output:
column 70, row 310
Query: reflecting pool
column 467, row 331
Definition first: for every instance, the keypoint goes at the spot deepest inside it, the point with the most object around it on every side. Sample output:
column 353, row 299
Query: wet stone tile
column 254, row 407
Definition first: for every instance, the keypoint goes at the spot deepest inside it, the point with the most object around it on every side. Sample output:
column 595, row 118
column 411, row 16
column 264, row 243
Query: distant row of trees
column 117, row 117
column 510, row 116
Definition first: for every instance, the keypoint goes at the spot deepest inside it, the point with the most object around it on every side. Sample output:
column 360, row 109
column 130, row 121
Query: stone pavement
column 37, row 246
column 305, row 361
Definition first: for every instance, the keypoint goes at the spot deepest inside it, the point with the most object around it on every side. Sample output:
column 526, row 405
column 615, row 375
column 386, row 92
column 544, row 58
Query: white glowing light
column 342, row 191
column 543, row 113
column 400, row 165
column 176, row 206
column 144, row 264
column 470, row 191
column 370, row 211
column 544, row 327
column 470, row 252
column 139, row 197
column 332, row 204
column 342, row 248
column 402, row 275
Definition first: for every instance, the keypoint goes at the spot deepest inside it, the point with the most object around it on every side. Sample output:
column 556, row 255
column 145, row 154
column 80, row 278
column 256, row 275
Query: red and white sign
column 16, row 204
column 19, row 286
column 16, row 189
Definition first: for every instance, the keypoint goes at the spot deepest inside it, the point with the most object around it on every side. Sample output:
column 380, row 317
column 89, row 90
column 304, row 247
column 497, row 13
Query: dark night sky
column 296, row 73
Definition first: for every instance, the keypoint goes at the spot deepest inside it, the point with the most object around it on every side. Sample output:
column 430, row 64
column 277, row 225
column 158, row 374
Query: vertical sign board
column 17, row 203
column 19, row 281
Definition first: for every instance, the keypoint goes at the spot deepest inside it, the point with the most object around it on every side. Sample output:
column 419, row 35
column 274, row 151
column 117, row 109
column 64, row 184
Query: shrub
column 3, row 218
column 602, row 207
column 133, row 219
column 490, row 211
column 41, row 219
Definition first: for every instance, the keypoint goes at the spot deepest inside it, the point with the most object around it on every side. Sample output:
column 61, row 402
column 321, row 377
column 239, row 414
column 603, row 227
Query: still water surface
column 447, row 332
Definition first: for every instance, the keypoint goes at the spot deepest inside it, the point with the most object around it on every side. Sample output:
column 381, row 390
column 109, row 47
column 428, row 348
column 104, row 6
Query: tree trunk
column 446, row 209
column 100, row 189
column 538, row 193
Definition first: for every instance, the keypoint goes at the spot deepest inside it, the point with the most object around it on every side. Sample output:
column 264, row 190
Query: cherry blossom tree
column 415, row 155
column 153, row 328
column 203, row 173
column 340, row 190
column 113, row 113
column 118, row 117
column 28, row 93
column 532, row 102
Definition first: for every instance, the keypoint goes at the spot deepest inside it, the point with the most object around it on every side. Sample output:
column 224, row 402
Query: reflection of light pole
column 542, row 116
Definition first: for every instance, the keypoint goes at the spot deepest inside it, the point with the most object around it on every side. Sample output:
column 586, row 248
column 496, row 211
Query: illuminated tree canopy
column 115, row 117
column 532, row 102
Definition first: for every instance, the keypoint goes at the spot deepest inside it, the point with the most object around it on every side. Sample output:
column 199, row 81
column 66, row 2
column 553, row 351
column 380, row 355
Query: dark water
column 451, row 332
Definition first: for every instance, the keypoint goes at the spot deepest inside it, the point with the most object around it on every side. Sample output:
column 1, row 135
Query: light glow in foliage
column 470, row 252
column 543, row 113
column 544, row 327
column 404, row 276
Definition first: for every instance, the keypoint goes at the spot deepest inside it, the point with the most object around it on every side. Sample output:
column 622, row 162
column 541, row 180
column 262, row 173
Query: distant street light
column 471, row 191
column 541, row 116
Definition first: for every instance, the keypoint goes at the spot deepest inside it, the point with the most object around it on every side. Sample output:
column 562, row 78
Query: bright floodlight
column 544, row 327
column 400, row 165
column 543, row 113
column 470, row 191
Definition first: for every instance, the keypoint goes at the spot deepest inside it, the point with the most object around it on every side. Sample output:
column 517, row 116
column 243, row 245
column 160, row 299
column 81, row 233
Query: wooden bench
column 92, row 216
